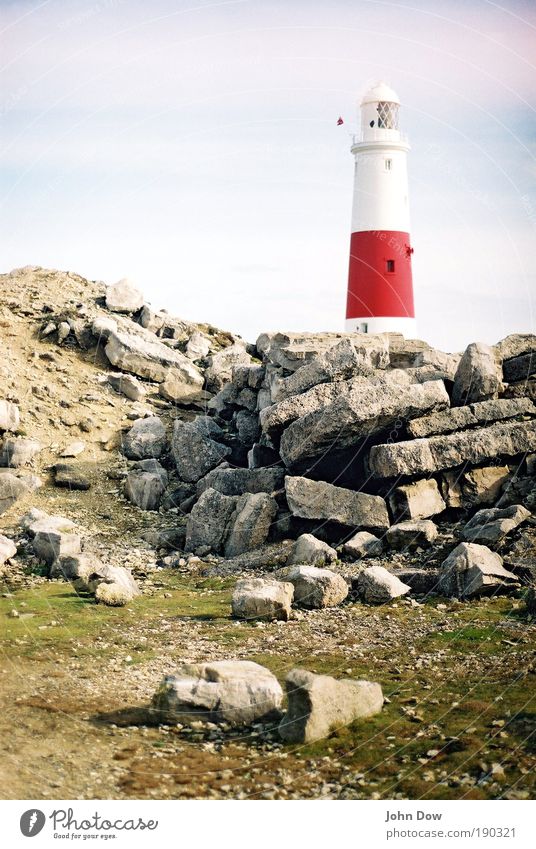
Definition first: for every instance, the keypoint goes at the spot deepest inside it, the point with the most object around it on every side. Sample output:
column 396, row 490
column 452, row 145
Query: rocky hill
column 302, row 481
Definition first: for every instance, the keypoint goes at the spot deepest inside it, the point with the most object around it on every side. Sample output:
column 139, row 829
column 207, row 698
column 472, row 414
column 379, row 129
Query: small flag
column 339, row 121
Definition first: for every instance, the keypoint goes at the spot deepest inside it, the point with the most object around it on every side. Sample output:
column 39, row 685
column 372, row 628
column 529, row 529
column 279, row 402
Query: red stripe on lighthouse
column 380, row 279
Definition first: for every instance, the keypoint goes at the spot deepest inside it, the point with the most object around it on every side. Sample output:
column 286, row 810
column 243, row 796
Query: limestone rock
column 113, row 595
column 70, row 476
column 344, row 359
column 183, row 386
column 235, row 691
column 251, row 523
column 9, row 416
column 8, row 549
column 49, row 545
column 483, row 412
column 195, row 450
column 128, row 386
column 262, row 598
column 417, row 500
column 491, row 526
column 313, row 587
column 473, row 570
column 361, row 413
column 231, row 481
column 145, row 485
column 516, row 345
column 19, row 452
column 209, row 522
column 148, row 357
column 36, row 520
column 124, row 296
column 318, row 704
column 421, row 456
column 318, row 500
column 520, row 368
column 74, row 449
column 145, row 439
column 308, row 550
column 198, row 346
column 220, row 368
column 102, row 326
column 77, row 568
column 376, row 585
column 478, row 376
column 114, row 576
column 412, row 534
column 11, row 489
column 484, row 485
column 362, row 544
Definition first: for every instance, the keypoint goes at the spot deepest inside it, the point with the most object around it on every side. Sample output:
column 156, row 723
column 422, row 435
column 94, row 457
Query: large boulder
column 8, row 549
column 145, row 484
column 491, row 526
column 315, row 588
column 308, row 550
column 473, row 570
column 414, row 533
column 195, row 449
column 124, row 296
column 362, row 544
column 209, row 522
column 478, row 376
column 19, row 452
column 417, row 500
column 309, row 499
column 376, row 585
column 346, row 420
column 146, row 439
column 149, row 358
column 421, row 456
column 231, row 481
column 238, row 692
column 9, row 416
column 262, row 598
column 255, row 512
column 318, row 704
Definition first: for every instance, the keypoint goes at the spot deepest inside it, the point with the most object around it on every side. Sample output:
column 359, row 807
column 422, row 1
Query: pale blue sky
column 193, row 146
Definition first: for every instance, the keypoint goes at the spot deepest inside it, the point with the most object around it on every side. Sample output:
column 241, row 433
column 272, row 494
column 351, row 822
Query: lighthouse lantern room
column 380, row 287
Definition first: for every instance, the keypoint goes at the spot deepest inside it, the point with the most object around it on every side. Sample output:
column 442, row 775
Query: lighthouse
column 380, row 286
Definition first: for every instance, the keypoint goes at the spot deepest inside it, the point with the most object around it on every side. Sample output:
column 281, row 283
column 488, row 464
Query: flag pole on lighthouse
column 380, row 285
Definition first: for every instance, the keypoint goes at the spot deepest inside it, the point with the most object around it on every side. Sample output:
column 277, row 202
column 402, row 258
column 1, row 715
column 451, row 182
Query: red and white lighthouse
column 380, row 286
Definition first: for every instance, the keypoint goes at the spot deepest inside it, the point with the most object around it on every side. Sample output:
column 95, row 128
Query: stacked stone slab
column 347, row 435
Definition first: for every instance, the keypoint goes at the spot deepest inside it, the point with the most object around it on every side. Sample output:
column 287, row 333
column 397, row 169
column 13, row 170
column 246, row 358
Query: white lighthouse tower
column 380, row 286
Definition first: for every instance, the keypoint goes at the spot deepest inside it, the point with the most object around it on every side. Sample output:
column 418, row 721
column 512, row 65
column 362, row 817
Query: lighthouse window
column 387, row 116
column 388, row 164
column 390, row 266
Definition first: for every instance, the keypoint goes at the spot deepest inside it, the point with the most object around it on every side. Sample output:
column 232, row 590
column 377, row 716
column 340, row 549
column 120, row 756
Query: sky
column 194, row 147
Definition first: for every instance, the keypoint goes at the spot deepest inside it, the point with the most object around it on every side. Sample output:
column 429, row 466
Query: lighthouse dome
column 380, row 92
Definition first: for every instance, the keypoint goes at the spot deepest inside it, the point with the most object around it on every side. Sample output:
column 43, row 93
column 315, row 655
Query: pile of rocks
column 358, row 444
